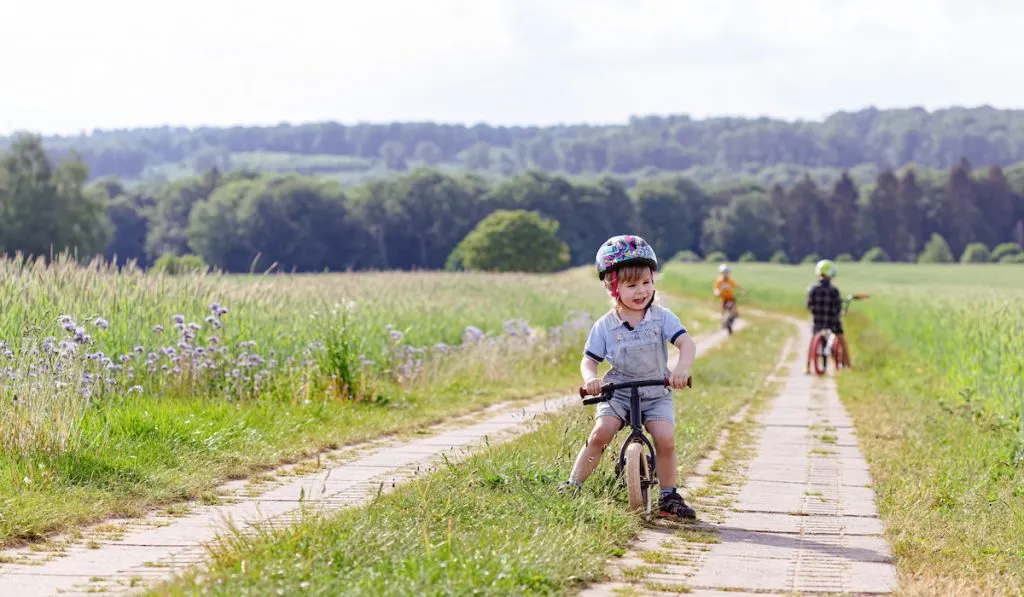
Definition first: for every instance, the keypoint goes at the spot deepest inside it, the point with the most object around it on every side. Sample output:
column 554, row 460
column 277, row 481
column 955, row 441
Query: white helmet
column 723, row 268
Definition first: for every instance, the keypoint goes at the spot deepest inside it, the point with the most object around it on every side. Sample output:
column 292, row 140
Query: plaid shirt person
column 826, row 305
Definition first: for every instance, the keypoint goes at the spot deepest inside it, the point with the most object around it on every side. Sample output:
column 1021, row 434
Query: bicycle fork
column 636, row 433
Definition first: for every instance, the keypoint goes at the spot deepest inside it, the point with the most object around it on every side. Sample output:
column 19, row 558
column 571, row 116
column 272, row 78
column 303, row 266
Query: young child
column 633, row 336
column 725, row 286
column 826, row 306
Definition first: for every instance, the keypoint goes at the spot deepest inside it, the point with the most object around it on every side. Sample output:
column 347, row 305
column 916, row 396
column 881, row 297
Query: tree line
column 242, row 220
column 709, row 149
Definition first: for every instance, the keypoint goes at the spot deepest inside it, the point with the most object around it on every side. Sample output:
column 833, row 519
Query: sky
column 75, row 66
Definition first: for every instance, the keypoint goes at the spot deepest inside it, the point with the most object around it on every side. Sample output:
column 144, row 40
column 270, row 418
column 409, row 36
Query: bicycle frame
column 636, row 432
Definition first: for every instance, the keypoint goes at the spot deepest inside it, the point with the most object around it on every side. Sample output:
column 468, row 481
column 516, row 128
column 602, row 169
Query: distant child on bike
column 724, row 288
column 632, row 336
column 826, row 306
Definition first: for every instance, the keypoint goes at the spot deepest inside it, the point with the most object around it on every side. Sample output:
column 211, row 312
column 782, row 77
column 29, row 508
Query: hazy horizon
column 114, row 64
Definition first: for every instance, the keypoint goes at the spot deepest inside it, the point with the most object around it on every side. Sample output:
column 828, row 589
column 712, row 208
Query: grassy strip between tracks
column 493, row 524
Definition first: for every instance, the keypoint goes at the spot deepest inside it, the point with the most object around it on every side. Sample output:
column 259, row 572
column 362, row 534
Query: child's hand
column 593, row 386
column 679, row 378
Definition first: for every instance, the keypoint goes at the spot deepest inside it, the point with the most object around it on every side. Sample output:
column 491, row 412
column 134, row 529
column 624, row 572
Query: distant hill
column 711, row 151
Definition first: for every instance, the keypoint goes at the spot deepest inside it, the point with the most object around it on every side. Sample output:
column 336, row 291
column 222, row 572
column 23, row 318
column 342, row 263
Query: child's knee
column 602, row 434
column 664, row 438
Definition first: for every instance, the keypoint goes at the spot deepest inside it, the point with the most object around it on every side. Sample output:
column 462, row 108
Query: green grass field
column 125, row 391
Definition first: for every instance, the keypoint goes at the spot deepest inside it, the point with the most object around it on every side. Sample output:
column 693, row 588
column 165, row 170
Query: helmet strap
column 615, row 284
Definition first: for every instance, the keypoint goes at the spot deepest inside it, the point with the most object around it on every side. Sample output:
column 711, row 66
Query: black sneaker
column 673, row 506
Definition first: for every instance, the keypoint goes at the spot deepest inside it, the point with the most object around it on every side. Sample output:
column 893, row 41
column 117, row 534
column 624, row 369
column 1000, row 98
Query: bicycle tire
column 820, row 358
column 838, row 357
column 636, row 474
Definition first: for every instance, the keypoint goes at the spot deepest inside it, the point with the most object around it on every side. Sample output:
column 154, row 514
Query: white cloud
column 110, row 63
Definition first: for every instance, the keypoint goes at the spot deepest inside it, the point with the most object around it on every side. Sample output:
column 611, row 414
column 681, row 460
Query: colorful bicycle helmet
column 724, row 268
column 826, row 268
column 626, row 249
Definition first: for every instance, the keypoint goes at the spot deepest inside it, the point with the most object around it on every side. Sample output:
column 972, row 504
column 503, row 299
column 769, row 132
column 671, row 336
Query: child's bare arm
column 588, row 369
column 687, row 353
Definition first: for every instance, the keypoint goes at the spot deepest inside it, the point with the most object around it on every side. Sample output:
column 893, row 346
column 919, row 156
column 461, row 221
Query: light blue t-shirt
column 638, row 353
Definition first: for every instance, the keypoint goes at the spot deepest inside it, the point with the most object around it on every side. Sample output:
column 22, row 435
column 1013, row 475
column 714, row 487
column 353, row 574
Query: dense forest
column 241, row 220
column 711, row 151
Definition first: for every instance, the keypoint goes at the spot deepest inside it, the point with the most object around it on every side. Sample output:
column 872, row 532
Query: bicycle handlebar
column 608, row 388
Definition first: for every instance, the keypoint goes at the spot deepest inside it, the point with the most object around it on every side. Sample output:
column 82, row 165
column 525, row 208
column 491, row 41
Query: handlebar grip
column 594, row 400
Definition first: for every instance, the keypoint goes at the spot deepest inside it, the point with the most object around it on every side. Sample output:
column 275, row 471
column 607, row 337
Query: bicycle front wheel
column 637, row 476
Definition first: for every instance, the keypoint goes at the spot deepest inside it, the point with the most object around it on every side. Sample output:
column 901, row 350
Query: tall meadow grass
column 74, row 337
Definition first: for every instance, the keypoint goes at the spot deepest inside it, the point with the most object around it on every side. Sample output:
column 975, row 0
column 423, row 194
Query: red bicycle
column 823, row 343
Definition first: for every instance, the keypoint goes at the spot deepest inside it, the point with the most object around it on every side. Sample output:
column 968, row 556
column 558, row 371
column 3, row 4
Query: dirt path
column 122, row 556
column 785, row 506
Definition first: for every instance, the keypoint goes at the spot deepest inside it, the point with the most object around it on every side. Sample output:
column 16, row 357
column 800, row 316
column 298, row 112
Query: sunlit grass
column 122, row 390
column 495, row 524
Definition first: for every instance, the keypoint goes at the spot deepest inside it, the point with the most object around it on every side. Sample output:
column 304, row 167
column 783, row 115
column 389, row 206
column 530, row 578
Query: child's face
column 635, row 294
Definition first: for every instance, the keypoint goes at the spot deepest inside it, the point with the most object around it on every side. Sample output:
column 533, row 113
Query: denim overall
column 639, row 353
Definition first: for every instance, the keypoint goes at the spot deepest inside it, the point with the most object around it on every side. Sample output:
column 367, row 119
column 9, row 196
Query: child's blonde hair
column 625, row 275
